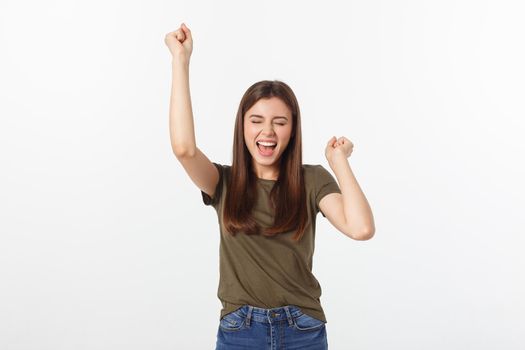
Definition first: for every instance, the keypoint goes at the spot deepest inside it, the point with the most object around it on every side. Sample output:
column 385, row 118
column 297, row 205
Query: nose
column 268, row 129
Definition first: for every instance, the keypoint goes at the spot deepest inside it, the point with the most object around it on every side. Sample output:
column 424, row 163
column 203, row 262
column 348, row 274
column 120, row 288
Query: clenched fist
column 180, row 43
column 338, row 147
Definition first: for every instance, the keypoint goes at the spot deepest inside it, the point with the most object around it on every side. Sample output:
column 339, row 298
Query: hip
column 285, row 327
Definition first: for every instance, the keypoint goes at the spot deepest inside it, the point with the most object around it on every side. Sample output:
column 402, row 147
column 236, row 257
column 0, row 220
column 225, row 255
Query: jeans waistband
column 271, row 315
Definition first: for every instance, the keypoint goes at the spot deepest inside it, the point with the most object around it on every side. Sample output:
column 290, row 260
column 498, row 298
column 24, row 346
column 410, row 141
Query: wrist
column 180, row 63
column 335, row 159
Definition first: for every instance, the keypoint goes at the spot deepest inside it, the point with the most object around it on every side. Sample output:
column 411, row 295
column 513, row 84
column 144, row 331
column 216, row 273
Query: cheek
column 285, row 133
column 249, row 134
column 251, row 130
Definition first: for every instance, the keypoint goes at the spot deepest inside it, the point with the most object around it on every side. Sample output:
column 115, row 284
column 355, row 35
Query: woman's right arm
column 199, row 168
column 182, row 132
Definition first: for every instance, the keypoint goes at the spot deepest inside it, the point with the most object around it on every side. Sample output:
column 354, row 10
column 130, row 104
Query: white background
column 105, row 242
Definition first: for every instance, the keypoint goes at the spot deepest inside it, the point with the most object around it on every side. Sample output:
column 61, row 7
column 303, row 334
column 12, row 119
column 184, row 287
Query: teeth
column 267, row 143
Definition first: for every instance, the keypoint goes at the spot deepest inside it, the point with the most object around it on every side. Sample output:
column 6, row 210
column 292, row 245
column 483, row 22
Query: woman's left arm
column 349, row 210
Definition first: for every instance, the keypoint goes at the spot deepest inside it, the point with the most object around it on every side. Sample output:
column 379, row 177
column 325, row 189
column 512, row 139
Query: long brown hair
column 288, row 196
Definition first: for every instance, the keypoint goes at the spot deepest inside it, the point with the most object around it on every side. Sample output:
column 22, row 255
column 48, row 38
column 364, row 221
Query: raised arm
column 182, row 134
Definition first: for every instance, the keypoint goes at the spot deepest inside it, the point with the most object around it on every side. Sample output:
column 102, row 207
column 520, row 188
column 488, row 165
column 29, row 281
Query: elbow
column 361, row 232
column 182, row 151
column 364, row 234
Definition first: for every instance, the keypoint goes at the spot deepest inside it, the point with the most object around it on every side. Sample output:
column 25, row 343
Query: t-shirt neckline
column 265, row 180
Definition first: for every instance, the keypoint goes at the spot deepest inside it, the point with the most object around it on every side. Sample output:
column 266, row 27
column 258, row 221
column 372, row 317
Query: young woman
column 266, row 203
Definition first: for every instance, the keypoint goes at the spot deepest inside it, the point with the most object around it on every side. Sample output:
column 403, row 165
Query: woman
column 266, row 203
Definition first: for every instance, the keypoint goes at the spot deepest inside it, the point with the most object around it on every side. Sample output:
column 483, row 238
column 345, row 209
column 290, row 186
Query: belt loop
column 288, row 315
column 249, row 316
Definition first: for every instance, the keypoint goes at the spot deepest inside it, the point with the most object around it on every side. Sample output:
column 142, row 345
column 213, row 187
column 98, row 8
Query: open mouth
column 266, row 148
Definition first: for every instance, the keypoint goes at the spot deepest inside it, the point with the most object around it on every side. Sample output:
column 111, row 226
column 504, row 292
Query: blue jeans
column 285, row 327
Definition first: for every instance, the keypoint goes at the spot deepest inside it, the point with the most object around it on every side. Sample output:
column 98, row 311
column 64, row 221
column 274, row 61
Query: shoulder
column 313, row 169
column 320, row 178
column 223, row 168
column 309, row 168
column 224, row 173
column 311, row 173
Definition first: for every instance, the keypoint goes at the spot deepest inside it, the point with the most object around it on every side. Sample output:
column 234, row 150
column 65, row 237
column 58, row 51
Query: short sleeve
column 325, row 184
column 206, row 199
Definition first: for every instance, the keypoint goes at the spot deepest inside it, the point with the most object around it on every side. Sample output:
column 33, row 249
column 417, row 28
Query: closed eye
column 276, row 123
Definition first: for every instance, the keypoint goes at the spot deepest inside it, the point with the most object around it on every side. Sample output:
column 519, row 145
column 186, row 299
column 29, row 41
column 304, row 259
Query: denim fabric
column 285, row 327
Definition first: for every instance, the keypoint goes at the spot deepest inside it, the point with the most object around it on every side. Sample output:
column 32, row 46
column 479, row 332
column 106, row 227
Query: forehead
column 269, row 107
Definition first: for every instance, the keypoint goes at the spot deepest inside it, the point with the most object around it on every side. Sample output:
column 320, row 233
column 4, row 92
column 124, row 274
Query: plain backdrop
column 105, row 242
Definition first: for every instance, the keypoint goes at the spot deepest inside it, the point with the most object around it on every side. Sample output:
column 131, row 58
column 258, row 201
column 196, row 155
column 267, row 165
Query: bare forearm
column 357, row 210
column 181, row 126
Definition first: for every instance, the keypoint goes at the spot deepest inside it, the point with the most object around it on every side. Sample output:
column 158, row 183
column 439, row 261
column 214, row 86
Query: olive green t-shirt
column 270, row 272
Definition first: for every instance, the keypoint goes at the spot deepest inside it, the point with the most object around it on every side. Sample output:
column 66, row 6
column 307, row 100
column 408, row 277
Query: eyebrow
column 260, row 116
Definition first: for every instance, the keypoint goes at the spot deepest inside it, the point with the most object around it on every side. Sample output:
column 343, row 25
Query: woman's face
column 269, row 119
